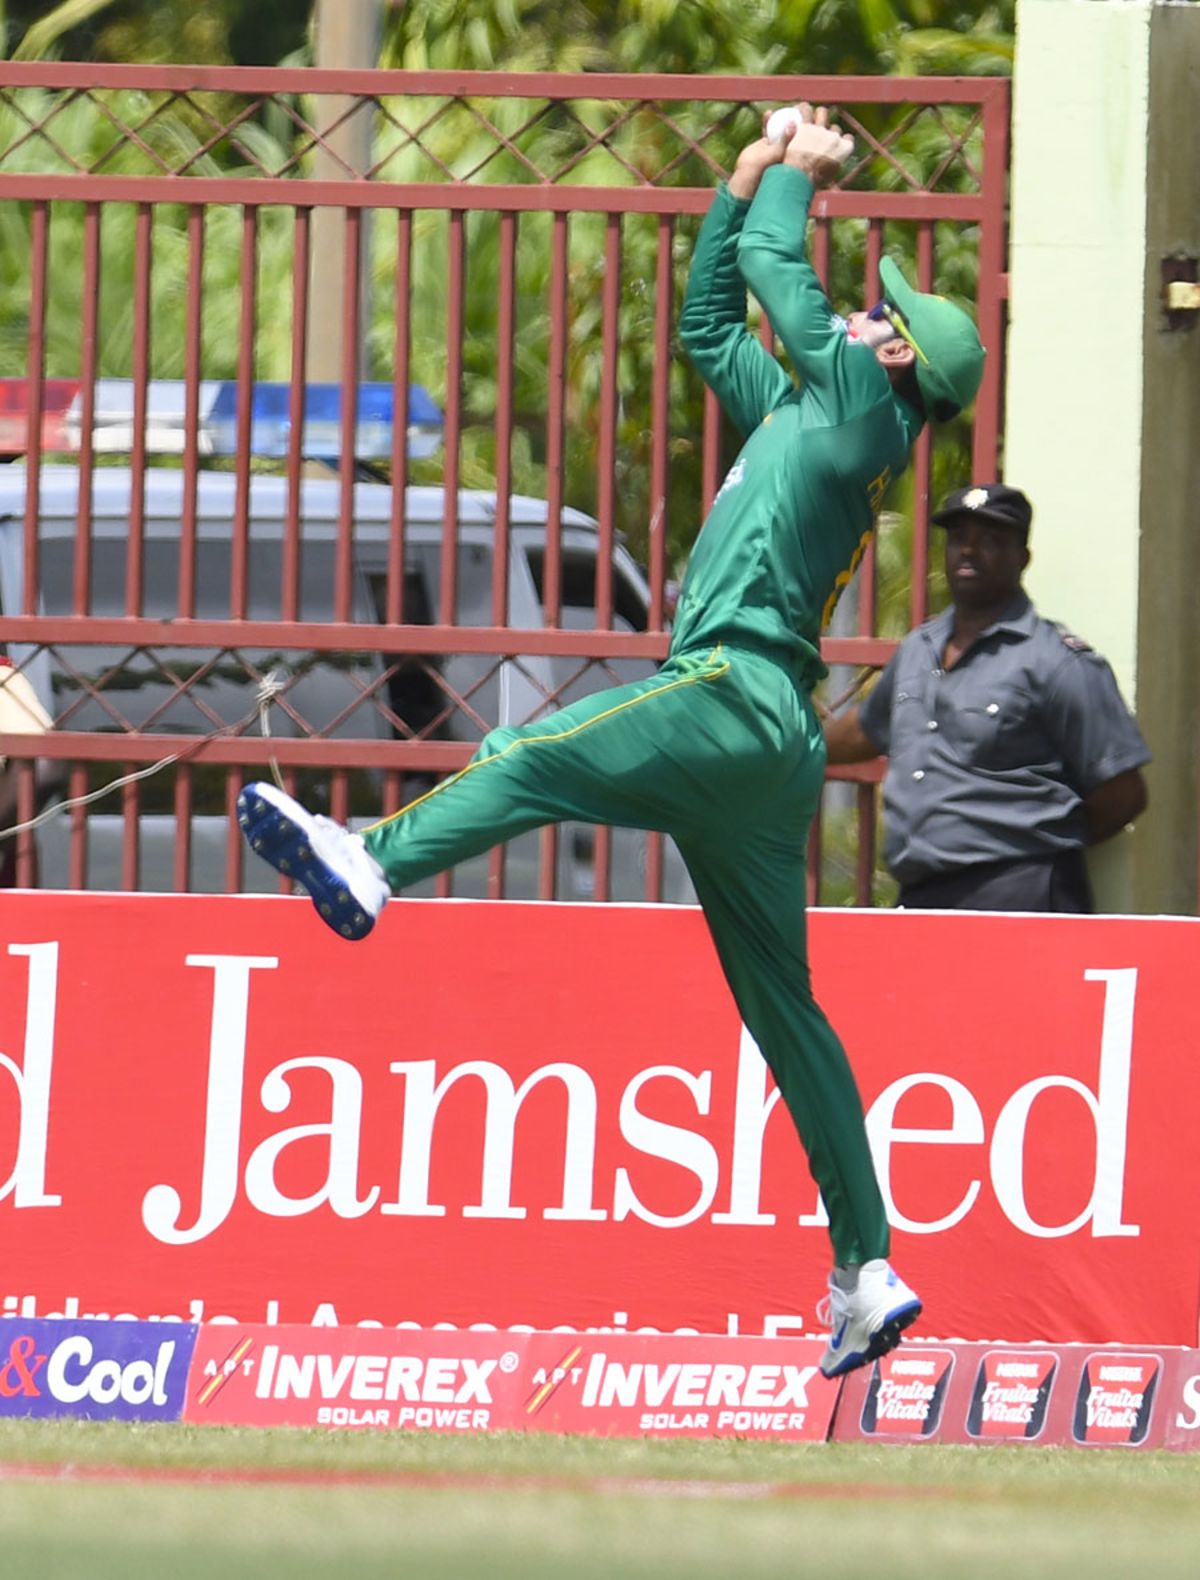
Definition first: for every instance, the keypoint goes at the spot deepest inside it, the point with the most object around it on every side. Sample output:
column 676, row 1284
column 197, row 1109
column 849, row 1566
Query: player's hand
column 756, row 157
column 817, row 148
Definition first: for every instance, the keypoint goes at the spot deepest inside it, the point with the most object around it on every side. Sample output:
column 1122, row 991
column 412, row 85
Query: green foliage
column 589, row 142
column 696, row 35
column 217, row 32
column 937, row 51
column 693, row 36
column 582, row 35
column 88, row 138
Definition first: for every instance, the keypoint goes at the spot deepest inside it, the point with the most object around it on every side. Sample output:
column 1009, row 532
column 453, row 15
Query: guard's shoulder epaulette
column 1068, row 638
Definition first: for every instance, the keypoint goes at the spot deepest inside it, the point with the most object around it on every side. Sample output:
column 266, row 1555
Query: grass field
column 93, row 1501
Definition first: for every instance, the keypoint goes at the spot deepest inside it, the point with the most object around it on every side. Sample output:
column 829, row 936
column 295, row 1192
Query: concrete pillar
column 347, row 34
column 1103, row 387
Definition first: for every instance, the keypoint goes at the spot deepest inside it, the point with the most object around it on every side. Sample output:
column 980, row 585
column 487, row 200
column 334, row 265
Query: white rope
column 269, row 688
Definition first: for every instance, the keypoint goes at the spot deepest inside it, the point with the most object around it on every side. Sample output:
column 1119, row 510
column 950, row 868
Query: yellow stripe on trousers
column 557, row 736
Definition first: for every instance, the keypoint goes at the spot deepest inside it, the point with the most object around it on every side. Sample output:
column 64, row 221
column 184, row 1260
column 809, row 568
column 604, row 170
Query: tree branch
column 41, row 37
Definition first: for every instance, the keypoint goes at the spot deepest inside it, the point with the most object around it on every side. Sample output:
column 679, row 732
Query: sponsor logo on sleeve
column 1012, row 1391
column 1115, row 1401
column 103, row 1371
column 906, row 1394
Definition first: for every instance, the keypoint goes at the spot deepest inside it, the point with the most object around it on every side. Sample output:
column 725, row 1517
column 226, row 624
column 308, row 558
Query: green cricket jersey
column 721, row 748
column 796, row 509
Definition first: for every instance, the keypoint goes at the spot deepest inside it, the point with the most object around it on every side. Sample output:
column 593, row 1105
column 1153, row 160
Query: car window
column 570, row 677
column 460, row 696
column 579, row 591
column 186, row 689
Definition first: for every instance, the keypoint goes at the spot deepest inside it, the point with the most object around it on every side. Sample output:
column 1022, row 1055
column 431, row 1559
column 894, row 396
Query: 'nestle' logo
column 1011, row 1396
column 905, row 1396
column 1115, row 1400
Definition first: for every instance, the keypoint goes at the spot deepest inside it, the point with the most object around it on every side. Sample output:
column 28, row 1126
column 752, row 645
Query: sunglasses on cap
column 892, row 315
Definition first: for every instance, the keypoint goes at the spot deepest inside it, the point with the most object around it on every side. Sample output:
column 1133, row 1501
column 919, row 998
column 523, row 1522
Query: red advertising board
column 547, row 1116
column 1072, row 1396
column 619, row 1386
column 1181, row 1413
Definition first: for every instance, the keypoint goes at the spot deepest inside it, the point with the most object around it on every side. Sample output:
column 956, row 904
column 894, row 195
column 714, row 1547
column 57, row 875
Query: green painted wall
column 1102, row 399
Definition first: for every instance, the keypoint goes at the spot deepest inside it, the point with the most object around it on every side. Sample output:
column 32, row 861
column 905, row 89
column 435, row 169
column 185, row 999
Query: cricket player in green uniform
column 722, row 748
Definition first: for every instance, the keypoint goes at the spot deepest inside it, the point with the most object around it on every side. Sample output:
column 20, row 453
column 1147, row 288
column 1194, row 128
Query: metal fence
column 514, row 245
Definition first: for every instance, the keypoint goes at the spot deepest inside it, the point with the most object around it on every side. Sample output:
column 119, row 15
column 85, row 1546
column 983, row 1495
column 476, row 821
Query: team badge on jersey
column 732, row 478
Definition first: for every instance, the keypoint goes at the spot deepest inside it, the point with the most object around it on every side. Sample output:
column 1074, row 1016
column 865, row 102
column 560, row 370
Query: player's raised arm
column 735, row 365
column 773, row 250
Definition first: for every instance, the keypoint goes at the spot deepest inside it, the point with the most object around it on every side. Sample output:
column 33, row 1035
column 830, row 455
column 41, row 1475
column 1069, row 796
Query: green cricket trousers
column 721, row 749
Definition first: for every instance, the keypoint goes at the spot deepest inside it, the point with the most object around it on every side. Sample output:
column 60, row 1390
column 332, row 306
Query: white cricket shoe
column 344, row 880
column 867, row 1321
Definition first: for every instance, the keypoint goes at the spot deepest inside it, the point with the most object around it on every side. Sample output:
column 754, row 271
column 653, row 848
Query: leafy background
column 752, row 37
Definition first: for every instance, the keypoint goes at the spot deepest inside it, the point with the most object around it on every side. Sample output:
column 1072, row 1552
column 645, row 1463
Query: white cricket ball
column 782, row 123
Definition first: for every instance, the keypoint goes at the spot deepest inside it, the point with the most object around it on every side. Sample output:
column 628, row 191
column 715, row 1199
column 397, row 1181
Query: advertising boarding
column 461, row 1383
column 510, row 1117
column 100, row 1371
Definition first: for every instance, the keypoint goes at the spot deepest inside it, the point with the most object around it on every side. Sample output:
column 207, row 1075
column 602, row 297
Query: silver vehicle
column 336, row 695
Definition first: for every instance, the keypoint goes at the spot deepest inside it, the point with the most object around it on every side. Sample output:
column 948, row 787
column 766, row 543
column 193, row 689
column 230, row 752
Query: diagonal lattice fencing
column 515, row 246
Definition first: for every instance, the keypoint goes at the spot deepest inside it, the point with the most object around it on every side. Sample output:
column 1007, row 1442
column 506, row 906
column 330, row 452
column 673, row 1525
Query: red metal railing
column 518, row 245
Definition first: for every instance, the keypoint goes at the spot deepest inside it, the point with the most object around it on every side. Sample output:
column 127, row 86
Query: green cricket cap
column 950, row 366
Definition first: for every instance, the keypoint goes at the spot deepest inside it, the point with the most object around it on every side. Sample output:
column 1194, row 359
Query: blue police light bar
column 164, row 431
column 321, row 438
column 166, row 410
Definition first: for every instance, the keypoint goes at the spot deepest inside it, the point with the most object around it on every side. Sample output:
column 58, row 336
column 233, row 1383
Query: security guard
column 722, row 748
column 1010, row 747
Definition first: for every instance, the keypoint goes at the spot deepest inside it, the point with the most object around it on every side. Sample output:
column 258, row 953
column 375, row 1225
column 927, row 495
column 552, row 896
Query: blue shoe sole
column 885, row 1339
column 273, row 835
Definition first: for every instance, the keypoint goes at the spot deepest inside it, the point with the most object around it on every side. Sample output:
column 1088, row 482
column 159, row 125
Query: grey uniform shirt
column 990, row 760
